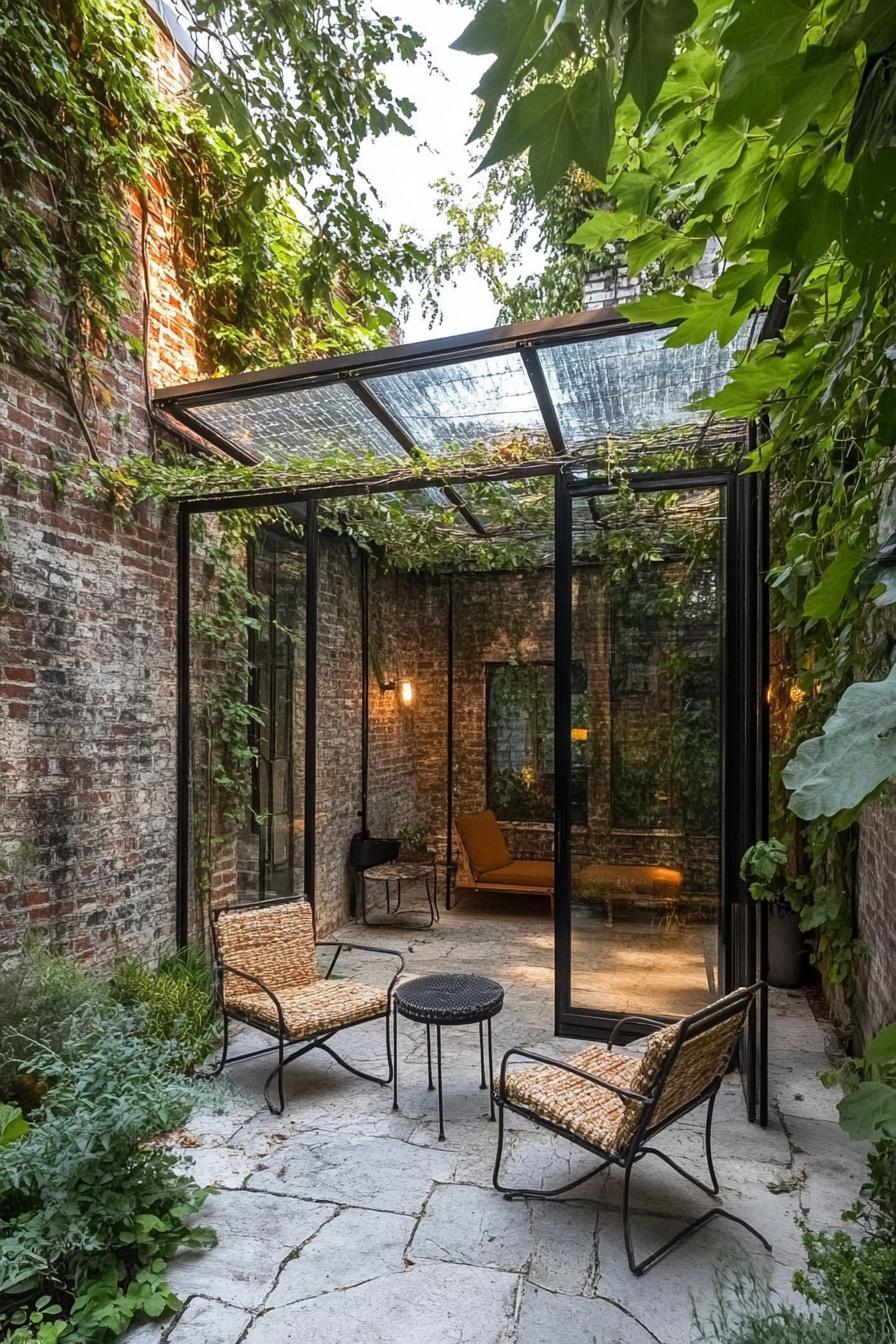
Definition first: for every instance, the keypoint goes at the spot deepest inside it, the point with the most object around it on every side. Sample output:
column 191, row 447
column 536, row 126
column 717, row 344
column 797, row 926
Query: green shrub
column 749, row 1314
column 856, row 1279
column 177, row 1002
column 90, row 1210
column 38, row 997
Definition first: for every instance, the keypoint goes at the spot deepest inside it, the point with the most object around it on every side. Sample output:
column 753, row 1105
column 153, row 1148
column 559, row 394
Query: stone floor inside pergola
column 345, row 1222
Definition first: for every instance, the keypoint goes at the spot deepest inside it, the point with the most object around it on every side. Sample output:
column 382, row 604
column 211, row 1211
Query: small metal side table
column 396, row 873
column 449, row 1000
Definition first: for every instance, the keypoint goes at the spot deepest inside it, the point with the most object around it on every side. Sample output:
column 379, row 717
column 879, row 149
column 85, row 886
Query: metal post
column 562, row 749
column 365, row 689
column 182, row 860
column 311, row 589
column 449, row 749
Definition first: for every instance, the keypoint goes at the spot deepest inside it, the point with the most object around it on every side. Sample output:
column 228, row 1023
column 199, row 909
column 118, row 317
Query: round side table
column 448, row 1000
column 398, row 872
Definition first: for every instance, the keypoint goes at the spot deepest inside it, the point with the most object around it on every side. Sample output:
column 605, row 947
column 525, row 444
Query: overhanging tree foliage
column 769, row 125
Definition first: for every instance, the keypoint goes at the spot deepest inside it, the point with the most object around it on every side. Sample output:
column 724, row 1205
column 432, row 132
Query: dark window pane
column 520, row 742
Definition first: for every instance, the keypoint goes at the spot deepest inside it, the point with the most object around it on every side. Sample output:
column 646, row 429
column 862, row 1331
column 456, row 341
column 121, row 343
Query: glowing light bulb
column 407, row 692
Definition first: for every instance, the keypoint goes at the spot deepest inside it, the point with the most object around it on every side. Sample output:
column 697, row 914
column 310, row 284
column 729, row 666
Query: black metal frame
column 284, row 1040
column 637, row 1149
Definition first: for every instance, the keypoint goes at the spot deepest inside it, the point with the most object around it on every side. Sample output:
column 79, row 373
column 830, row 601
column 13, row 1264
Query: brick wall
column 511, row 618
column 876, row 997
column 339, row 728
column 87, row 648
column 408, row 746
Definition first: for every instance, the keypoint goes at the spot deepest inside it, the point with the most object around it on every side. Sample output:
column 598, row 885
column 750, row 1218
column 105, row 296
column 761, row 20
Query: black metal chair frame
column 285, row 1041
column 637, row 1149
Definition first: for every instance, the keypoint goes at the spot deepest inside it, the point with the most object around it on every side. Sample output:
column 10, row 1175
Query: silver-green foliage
column 90, row 1212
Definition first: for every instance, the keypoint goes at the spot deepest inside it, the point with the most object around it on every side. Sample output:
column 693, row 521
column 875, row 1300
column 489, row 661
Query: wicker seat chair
column 267, row 976
column 612, row 1104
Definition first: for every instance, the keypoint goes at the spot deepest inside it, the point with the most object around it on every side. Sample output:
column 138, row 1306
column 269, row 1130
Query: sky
column 401, row 168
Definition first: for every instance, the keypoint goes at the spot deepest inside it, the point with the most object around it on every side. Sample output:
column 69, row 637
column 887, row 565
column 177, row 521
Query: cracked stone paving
column 346, row 1222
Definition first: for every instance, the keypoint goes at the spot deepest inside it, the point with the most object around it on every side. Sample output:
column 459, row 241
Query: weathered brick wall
column 876, row 998
column 408, row 746
column 511, row 617
column 87, row 647
column 339, row 728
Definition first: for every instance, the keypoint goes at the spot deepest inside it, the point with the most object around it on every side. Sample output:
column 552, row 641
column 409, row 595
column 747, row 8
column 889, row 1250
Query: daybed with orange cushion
column 485, row 864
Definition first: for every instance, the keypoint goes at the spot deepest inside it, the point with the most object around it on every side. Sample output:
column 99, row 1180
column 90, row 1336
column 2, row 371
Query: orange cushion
column 643, row 879
column 483, row 841
column 522, row 873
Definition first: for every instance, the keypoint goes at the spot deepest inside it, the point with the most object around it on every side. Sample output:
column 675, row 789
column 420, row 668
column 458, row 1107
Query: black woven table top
column 449, row 998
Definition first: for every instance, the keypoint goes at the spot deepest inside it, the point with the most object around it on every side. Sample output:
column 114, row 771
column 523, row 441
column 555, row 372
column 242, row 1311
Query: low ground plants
column 177, row 1001
column 91, row 1207
column 849, row 1282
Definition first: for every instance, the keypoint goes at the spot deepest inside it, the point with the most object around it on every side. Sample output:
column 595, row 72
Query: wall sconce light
column 407, row 693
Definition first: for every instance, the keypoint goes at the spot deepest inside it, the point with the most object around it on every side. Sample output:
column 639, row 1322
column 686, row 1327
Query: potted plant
column 414, row 842
column 764, row 869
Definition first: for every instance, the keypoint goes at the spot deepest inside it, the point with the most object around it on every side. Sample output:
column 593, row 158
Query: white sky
column 402, row 167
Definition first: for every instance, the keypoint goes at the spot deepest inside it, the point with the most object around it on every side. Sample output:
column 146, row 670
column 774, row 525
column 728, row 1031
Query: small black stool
column 448, row 1000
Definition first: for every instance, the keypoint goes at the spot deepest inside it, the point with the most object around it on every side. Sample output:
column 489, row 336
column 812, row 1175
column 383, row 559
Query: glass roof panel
column 309, row 422
column 479, row 401
column 631, row 383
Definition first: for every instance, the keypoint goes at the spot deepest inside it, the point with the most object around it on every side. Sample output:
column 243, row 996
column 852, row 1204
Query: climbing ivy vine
column 771, row 128
column 86, row 130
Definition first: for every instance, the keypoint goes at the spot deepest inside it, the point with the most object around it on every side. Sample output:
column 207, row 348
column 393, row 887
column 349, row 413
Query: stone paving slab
column 256, row 1231
column 352, row 1247
column 367, row 1173
column 427, row 1304
column 205, row 1321
column 551, row 1318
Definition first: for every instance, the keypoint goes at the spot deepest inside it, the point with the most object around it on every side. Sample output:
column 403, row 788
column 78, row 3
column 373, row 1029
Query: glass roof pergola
column 436, row 414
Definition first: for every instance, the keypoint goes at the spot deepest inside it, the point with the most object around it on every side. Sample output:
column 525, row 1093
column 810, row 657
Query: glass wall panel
column 648, row 629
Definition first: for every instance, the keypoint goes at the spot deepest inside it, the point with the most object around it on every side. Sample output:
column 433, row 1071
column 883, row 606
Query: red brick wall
column 87, row 647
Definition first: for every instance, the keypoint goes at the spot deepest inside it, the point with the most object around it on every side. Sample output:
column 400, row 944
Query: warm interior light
column 579, row 734
column 407, row 692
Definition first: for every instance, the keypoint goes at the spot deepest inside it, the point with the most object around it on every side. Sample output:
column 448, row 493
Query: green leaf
column 653, row 27
column 761, row 34
column 513, row 30
column 604, row 226
column 826, row 598
column 13, row 1124
column 869, row 1112
column 854, row 755
column 718, row 148
column 881, row 1049
column 559, row 127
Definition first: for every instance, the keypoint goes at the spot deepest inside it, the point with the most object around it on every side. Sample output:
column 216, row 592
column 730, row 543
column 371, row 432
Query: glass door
column 654, row 667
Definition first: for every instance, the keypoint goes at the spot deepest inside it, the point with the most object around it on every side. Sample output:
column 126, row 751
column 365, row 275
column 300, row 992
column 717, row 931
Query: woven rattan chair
column 612, row 1104
column 267, row 976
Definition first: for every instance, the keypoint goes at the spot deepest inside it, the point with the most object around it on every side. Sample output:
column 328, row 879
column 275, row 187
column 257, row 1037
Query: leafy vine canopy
column 279, row 234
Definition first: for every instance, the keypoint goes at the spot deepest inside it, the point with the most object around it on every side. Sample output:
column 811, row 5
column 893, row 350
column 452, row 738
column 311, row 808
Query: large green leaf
column 869, row 1112
column 855, row 753
column 653, row 26
column 826, row 598
column 559, row 126
column 881, row 1049
column 513, row 30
